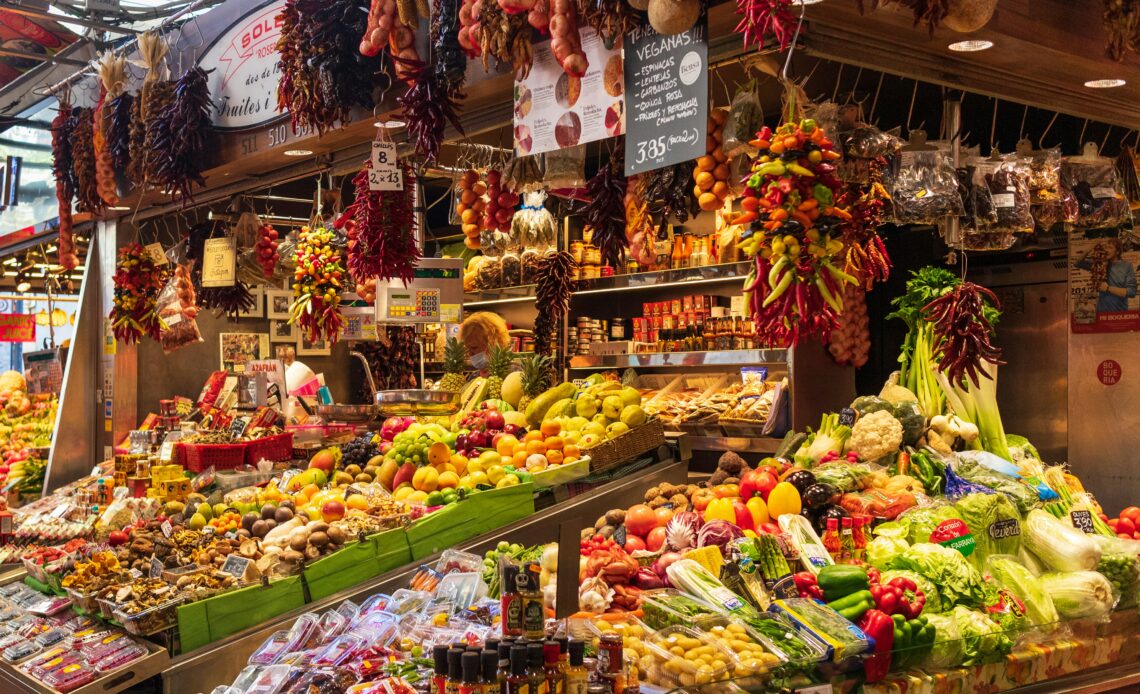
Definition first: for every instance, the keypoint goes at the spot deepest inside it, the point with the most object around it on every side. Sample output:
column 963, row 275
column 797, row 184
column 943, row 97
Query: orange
column 534, row 435
column 550, row 428
column 310, row 490
column 571, row 451
column 569, row 459
column 535, row 447
column 519, row 460
column 554, row 457
column 506, row 445
column 438, row 453
column 554, row 443
column 357, row 501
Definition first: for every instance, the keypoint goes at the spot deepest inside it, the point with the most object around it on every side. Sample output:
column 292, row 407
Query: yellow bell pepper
column 720, row 509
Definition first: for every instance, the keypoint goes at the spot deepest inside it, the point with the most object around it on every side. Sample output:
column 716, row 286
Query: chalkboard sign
column 1082, row 520
column 667, row 101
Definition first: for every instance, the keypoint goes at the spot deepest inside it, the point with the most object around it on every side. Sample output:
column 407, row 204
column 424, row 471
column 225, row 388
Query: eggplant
column 819, row 495
column 801, row 480
column 826, row 513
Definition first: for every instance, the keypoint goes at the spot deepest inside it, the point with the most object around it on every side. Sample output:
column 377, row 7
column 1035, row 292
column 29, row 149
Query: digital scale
column 435, row 294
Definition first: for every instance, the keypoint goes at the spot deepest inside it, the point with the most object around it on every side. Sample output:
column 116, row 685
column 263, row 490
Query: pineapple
column 535, row 369
column 499, row 365
column 454, row 363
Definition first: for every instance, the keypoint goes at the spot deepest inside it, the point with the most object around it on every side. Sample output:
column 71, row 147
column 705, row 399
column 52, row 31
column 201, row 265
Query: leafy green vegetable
column 977, row 404
column 982, row 639
column 922, row 521
column 917, row 356
column 1080, row 594
column 882, row 551
column 1008, row 573
column 912, row 419
column 845, row 477
column 830, row 437
column 958, row 582
column 866, row 404
column 1059, row 545
column 1018, row 492
column 949, row 648
column 993, row 521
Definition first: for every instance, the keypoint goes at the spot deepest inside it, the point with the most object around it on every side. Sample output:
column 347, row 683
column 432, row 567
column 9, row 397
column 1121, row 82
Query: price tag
column 61, row 510
column 384, row 174
column 166, row 453
column 816, row 689
column 236, row 565
column 157, row 255
column 1082, row 520
column 156, row 567
column 167, row 529
column 219, row 263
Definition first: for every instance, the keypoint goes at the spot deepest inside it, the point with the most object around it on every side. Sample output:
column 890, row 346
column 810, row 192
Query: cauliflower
column 875, row 435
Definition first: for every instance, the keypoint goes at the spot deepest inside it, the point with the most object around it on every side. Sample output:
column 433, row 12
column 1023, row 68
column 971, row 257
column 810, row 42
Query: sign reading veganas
column 666, row 84
column 244, row 80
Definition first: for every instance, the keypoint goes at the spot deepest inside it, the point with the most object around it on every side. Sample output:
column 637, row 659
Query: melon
column 10, row 382
column 512, row 390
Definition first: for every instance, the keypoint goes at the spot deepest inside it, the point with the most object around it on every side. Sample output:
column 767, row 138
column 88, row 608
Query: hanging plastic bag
column 923, row 187
column 1050, row 202
column 1096, row 187
column 745, row 118
column 565, row 168
column 178, row 310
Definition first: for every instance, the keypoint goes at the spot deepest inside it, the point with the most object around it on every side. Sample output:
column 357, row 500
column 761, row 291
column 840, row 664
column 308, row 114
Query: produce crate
column 613, row 452
column 215, row 618
column 275, row 448
column 475, row 515
column 199, row 457
column 355, row 563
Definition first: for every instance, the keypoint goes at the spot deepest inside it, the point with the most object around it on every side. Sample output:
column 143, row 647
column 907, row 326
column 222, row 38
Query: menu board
column 666, row 80
column 554, row 110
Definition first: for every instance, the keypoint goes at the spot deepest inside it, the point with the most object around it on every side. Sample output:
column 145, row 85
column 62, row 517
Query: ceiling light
column 298, row 152
column 971, row 45
column 397, row 124
column 23, row 285
column 119, row 208
column 1105, row 84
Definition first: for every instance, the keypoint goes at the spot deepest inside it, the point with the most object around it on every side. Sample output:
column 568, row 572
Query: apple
column 494, row 419
column 514, row 430
column 477, row 439
column 332, row 510
column 461, row 441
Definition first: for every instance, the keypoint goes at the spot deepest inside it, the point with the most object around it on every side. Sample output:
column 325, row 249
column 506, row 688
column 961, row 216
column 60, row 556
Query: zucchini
column 791, row 443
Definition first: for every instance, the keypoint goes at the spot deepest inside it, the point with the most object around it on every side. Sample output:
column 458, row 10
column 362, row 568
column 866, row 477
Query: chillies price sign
column 666, row 83
column 17, row 327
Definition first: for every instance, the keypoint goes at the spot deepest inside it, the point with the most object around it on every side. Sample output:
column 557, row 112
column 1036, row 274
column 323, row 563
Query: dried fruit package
column 178, row 312
column 1096, row 187
column 923, row 187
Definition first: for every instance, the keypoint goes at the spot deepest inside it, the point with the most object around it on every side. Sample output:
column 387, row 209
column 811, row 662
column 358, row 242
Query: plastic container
column 49, row 606
column 113, row 642
column 462, row 589
column 71, row 677
column 325, row 679
column 271, row 651
column 84, row 600
column 683, row 657
column 269, row 680
column 132, row 652
column 21, row 650
column 51, row 636
column 376, row 603
column 88, row 637
column 246, row 678
column 107, row 607
column 47, row 661
column 11, row 639
column 406, row 601
column 332, row 625
column 668, row 607
column 453, row 560
column 150, row 620
column 339, row 650
column 757, row 654
column 842, row 638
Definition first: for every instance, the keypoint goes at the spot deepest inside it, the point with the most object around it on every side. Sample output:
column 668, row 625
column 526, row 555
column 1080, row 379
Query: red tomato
column 664, row 514
column 1112, row 523
column 656, row 539
column 1126, row 526
column 633, row 542
column 1132, row 513
column 640, row 519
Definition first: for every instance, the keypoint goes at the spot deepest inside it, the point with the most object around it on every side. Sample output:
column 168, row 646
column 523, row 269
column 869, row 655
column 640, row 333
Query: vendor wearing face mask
column 479, row 332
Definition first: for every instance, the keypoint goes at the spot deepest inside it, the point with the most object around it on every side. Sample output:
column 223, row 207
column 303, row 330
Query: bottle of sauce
column 454, row 669
column 552, row 671
column 830, row 538
column 511, row 602
column 535, row 672
column 439, row 679
column 517, row 681
column 504, row 670
column 534, row 607
column 489, row 682
column 470, row 681
column 611, row 661
column 577, row 675
column 859, row 537
column 847, row 540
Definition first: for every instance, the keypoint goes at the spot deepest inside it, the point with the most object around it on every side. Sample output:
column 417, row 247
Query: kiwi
column 268, row 511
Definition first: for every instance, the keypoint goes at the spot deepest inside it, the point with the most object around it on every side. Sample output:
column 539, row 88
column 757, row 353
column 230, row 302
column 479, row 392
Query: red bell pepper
column 887, row 597
column 880, row 627
column 911, row 599
column 807, row 585
column 744, row 519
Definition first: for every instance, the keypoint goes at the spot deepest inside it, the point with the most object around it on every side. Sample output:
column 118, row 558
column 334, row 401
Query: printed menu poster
column 1102, row 280
column 554, row 110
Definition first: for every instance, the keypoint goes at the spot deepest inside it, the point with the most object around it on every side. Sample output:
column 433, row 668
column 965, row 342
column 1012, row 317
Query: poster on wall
column 1102, row 280
column 554, row 110
column 238, row 349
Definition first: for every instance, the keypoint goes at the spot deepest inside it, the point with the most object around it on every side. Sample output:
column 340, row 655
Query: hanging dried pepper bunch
column 138, row 282
column 866, row 257
column 449, row 61
column 121, row 110
column 82, row 128
column 62, row 164
column 429, row 105
column 552, row 299
column 761, row 18
column 796, row 288
column 669, row 192
column 180, row 133
column 136, row 167
column 612, row 20
column 224, row 301
column 393, row 359
column 323, row 73
column 928, row 12
column 317, row 283
column 380, row 226
column 505, row 37
column 156, row 93
column 963, row 321
column 1122, row 24
column 605, row 213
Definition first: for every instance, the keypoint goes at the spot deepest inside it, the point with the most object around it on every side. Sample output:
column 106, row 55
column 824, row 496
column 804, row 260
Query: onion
column 664, row 561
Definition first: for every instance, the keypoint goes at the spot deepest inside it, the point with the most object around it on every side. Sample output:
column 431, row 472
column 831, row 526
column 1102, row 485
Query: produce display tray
column 131, row 674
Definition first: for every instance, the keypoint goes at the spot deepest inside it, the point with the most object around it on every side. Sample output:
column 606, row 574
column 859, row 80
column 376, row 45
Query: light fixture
column 971, row 45
column 119, row 208
column 22, row 282
column 298, row 152
column 1105, row 84
column 42, row 318
column 397, row 124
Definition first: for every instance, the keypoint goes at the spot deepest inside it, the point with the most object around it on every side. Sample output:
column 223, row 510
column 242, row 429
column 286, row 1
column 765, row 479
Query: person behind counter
column 481, row 331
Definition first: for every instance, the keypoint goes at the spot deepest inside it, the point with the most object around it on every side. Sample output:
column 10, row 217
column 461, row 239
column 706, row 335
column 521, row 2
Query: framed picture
column 283, row 331
column 277, row 302
column 258, row 304
column 237, row 349
column 320, row 348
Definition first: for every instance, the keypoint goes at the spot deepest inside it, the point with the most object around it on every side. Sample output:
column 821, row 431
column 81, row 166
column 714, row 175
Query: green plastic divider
column 475, row 515
column 351, row 565
column 209, row 620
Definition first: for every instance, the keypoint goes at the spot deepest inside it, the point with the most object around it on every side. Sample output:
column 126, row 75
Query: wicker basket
column 199, row 457
column 621, row 449
column 275, row 448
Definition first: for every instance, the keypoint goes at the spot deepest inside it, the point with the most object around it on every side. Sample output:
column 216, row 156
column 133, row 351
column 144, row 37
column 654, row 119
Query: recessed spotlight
column 808, row 2
column 298, row 152
column 397, row 124
column 1105, row 84
column 971, row 45
column 119, row 208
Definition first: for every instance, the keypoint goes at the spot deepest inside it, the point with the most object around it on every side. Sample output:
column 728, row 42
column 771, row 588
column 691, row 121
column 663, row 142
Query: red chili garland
column 759, row 18
column 866, row 254
column 138, row 282
column 380, row 226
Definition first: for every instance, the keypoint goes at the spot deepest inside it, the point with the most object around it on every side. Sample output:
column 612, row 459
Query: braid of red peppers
column 962, row 327
column 180, row 132
column 62, row 164
column 119, row 131
column 866, row 257
column 380, row 226
column 605, row 213
column 429, row 105
column 761, row 18
column 138, row 282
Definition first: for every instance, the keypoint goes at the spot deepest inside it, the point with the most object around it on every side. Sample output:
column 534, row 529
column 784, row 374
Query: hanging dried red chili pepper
column 605, row 213
column 180, row 130
column 61, row 136
column 554, row 283
column 963, row 320
column 317, row 284
column 380, row 226
column 429, row 105
column 761, row 18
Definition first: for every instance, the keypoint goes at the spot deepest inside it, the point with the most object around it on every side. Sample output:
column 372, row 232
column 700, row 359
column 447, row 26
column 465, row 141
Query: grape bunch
column 359, row 451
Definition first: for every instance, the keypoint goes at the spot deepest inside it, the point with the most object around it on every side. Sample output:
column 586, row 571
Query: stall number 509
column 651, row 150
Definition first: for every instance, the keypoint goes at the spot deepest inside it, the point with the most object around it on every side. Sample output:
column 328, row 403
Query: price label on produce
column 384, row 174
column 236, row 566
column 156, row 567
column 167, row 529
column 219, row 263
column 1082, row 520
column 157, row 255
column 666, row 95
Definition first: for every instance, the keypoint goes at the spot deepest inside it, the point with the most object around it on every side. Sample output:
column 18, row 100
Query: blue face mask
column 479, row 360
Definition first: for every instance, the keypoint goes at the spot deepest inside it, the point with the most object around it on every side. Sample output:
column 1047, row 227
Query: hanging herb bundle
column 122, row 110
column 323, row 73
column 963, row 328
column 928, row 12
column 380, row 226
column 866, row 257
column 224, row 301
column 138, row 282
column 83, row 160
column 669, row 192
column 761, row 18
column 795, row 222
column 612, row 20
column 62, row 168
column 429, row 105
column 317, row 283
column 178, row 148
column 552, row 299
column 605, row 213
